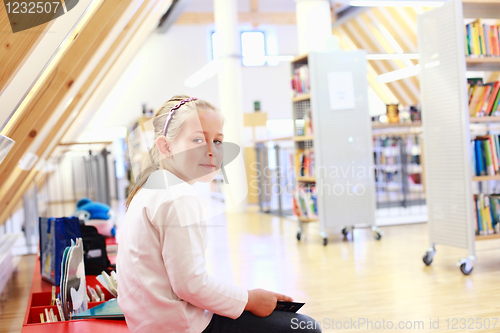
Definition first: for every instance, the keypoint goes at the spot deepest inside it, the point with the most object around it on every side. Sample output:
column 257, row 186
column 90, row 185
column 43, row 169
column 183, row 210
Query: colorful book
column 492, row 98
column 476, row 100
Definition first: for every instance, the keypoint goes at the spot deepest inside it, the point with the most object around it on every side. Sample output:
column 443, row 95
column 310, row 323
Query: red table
column 40, row 296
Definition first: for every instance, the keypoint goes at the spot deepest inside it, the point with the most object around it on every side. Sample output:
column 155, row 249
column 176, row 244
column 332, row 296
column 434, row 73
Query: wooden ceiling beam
column 68, row 69
column 16, row 47
column 135, row 31
column 204, row 18
column 52, row 92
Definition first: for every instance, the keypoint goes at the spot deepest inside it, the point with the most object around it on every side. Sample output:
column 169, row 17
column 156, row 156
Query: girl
column 163, row 285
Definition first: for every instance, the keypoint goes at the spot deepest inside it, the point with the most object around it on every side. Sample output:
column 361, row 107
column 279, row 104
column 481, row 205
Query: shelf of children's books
column 486, row 237
column 486, row 119
column 300, row 138
column 485, row 178
column 307, row 219
column 306, row 179
column 302, row 97
column 300, row 59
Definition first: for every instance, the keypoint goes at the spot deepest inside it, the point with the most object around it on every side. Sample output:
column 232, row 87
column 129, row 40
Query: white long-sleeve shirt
column 163, row 285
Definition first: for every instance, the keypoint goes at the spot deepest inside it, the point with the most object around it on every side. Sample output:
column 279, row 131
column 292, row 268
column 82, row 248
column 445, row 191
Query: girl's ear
column 162, row 145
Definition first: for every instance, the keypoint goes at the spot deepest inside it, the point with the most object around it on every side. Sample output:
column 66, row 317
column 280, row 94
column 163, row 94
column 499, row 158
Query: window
column 253, row 48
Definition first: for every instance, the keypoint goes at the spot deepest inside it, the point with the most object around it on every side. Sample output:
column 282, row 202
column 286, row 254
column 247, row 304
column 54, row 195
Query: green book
column 494, row 211
column 490, row 170
column 495, row 105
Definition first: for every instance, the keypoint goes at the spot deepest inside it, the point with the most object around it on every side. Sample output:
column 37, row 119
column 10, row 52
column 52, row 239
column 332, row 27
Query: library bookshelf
column 339, row 138
column 445, row 101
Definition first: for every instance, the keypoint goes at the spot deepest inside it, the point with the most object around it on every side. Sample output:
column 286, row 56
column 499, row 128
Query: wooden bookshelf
column 307, row 219
column 306, row 179
column 487, row 119
column 485, row 178
column 301, row 138
column 485, row 63
column 487, row 237
column 302, row 97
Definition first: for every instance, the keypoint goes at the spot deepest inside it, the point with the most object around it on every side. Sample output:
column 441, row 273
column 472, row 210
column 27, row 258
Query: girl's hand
column 262, row 302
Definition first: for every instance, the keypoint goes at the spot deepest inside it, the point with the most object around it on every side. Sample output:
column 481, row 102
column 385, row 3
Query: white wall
column 165, row 61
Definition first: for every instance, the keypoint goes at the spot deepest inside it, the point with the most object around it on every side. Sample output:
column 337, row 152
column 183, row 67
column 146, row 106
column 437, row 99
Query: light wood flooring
column 364, row 278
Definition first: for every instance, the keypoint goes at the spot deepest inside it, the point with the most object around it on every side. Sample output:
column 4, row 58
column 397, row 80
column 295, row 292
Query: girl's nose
column 211, row 150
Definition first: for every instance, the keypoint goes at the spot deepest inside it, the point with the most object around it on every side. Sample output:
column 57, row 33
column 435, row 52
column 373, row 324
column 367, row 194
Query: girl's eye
column 217, row 142
column 198, row 140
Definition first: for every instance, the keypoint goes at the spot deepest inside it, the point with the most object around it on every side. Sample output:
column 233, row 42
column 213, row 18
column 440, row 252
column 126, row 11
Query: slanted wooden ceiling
column 385, row 30
column 75, row 81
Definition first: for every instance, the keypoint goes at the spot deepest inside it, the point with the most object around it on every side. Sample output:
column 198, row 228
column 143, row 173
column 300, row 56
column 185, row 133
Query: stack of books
column 305, row 202
column 300, row 80
column 487, row 210
column 481, row 39
column 486, row 155
column 483, row 99
column 304, row 162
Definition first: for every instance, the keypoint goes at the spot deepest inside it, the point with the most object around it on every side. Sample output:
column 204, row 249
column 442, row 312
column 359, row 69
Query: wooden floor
column 344, row 281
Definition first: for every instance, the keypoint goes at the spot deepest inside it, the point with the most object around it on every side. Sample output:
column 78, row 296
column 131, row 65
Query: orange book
column 476, row 99
column 484, row 101
column 494, row 40
column 492, row 98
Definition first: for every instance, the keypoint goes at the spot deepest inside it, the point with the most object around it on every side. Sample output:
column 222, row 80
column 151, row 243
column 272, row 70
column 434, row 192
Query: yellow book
column 475, row 38
column 481, row 36
column 483, row 216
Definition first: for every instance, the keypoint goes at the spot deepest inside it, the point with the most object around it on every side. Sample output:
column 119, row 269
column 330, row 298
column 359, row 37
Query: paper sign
column 341, row 90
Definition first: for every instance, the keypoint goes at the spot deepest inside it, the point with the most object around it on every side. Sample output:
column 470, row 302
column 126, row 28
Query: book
column 492, row 98
column 288, row 306
column 484, row 100
column 106, row 310
column 476, row 100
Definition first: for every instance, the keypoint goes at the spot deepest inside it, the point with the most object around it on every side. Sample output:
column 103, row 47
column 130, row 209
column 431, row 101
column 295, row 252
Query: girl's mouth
column 208, row 166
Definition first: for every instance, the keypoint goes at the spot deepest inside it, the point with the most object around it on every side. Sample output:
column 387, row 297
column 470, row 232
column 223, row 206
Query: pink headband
column 170, row 114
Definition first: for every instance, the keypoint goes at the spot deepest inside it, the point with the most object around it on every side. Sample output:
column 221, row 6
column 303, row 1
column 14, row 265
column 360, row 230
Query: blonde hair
column 151, row 163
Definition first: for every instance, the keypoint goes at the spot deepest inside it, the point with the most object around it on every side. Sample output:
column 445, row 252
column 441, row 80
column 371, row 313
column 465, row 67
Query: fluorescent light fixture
column 382, row 56
column 399, row 74
column 205, row 73
column 395, row 3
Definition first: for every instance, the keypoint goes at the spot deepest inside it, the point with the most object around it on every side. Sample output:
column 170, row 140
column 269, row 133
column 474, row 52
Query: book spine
column 486, row 31
column 479, row 219
column 489, row 161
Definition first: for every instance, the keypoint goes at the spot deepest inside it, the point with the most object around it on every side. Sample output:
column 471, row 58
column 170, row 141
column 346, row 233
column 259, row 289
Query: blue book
column 107, row 310
column 478, row 213
column 473, row 157
column 479, row 158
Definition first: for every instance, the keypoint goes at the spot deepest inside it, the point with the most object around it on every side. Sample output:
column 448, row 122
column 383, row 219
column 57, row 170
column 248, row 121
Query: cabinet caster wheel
column 464, row 269
column 377, row 233
column 429, row 256
column 325, row 241
column 467, row 265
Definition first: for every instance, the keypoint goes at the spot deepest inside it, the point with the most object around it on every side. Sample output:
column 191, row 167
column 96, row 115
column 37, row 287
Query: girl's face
column 197, row 152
